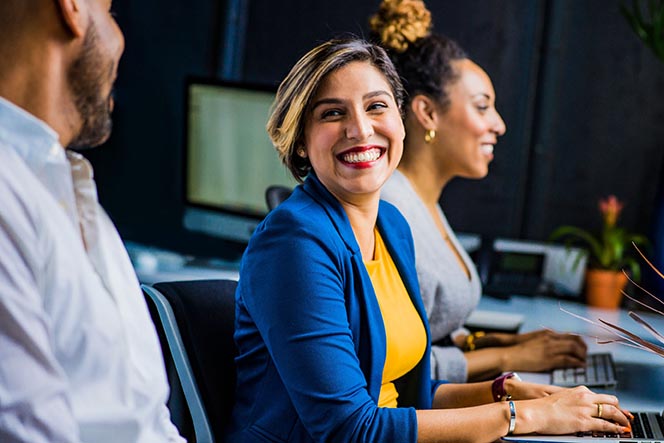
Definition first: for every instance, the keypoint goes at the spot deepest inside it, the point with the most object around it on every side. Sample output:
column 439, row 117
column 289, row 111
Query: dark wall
column 599, row 125
column 504, row 38
column 139, row 170
column 578, row 91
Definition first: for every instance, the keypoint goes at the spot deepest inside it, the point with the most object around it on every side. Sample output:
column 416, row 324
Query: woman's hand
column 521, row 390
column 571, row 410
column 522, row 338
column 506, row 339
column 543, row 351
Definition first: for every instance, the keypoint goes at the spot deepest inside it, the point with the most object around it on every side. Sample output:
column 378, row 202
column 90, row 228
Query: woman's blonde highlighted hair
column 291, row 105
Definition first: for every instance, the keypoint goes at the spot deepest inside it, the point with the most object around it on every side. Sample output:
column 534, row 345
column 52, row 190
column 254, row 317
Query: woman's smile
column 354, row 132
column 361, row 157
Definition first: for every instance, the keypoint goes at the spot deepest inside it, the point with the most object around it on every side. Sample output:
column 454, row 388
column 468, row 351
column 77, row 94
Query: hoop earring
column 429, row 136
column 301, row 153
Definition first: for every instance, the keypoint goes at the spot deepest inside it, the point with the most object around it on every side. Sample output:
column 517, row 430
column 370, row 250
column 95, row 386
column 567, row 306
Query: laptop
column 646, row 427
column 600, row 371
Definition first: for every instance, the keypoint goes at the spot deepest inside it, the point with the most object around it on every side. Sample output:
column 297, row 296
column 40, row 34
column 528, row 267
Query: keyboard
column 646, row 425
column 599, row 371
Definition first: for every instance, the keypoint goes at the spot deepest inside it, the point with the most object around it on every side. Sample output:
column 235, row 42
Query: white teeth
column 487, row 149
column 362, row 157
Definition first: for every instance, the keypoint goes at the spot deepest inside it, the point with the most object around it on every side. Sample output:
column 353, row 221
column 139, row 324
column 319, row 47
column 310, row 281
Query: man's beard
column 86, row 79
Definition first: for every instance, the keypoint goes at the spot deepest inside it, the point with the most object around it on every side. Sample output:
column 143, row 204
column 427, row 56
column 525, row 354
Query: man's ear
column 71, row 13
column 425, row 111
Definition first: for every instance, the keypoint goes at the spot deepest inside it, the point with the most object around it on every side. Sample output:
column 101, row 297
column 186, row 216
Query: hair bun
column 399, row 23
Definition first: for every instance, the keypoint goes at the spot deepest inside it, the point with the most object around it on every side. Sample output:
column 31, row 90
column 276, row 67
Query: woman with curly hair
column 332, row 337
column 452, row 126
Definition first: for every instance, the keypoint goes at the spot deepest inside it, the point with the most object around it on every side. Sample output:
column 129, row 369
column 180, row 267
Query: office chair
column 275, row 194
column 195, row 322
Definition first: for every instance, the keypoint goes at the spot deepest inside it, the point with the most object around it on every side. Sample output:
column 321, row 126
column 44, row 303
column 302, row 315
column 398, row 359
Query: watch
column 498, row 386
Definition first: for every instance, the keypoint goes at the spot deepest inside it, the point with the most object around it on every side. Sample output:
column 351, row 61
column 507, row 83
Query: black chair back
column 276, row 194
column 205, row 314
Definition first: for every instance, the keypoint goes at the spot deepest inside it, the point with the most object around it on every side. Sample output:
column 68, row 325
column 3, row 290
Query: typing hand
column 572, row 410
column 544, row 351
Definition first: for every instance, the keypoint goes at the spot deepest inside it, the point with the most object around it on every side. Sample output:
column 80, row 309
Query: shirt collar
column 34, row 141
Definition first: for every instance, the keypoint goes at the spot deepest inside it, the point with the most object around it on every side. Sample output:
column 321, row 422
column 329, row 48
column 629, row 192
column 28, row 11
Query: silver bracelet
column 512, row 418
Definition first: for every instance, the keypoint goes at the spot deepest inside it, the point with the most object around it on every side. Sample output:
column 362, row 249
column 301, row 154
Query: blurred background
column 580, row 93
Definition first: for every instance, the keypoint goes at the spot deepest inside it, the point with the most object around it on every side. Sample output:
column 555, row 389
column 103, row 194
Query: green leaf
column 657, row 36
column 634, row 267
column 616, row 241
column 650, row 30
column 577, row 233
column 637, row 239
column 634, row 19
column 613, row 250
column 642, row 25
column 577, row 260
column 636, row 10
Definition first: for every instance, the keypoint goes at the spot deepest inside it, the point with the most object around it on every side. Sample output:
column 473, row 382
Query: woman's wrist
column 511, row 386
column 512, row 419
column 524, row 418
column 502, row 387
column 470, row 343
column 506, row 359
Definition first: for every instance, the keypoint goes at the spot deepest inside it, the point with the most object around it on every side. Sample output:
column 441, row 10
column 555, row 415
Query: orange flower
column 610, row 209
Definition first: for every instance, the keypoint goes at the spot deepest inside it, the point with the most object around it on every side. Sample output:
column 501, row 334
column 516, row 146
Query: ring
column 599, row 410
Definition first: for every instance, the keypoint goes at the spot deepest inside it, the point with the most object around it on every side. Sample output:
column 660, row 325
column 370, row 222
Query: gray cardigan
column 448, row 295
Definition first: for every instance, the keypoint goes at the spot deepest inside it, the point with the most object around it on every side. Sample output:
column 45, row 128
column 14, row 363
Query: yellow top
column 404, row 330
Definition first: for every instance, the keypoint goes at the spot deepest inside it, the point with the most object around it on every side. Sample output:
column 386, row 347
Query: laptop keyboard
column 641, row 428
column 599, row 371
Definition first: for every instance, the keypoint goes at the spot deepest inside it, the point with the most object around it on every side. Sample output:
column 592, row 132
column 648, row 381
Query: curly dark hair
column 423, row 59
column 426, row 67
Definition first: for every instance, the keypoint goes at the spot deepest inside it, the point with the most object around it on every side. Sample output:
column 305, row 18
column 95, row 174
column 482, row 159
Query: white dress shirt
column 79, row 356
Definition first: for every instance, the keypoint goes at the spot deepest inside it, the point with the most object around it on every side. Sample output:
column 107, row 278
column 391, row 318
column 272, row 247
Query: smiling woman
column 452, row 126
column 332, row 336
column 353, row 134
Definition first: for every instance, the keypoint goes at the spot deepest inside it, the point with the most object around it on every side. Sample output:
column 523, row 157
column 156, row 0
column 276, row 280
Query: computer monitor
column 229, row 159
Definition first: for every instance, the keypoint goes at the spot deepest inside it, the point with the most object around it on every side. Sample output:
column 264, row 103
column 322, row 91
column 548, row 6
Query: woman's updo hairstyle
column 423, row 60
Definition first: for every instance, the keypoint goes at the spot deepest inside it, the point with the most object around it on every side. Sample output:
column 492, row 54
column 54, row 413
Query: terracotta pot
column 603, row 288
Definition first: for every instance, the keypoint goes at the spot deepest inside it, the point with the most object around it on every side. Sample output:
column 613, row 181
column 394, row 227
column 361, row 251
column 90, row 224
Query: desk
column 640, row 373
column 153, row 265
column 185, row 273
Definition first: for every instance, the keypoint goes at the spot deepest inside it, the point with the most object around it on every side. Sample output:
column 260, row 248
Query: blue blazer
column 310, row 333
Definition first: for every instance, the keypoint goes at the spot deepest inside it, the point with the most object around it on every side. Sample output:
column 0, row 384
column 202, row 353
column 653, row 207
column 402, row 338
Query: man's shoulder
column 27, row 206
column 16, row 183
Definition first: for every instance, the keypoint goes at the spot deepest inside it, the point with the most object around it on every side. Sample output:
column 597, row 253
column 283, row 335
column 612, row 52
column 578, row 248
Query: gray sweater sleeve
column 448, row 294
column 448, row 363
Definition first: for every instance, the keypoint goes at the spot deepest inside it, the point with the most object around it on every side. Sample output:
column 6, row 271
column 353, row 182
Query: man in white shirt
column 79, row 356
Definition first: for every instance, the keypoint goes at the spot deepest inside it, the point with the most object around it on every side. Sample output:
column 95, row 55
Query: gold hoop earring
column 429, row 136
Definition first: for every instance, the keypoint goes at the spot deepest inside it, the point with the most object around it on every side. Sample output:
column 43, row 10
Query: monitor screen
column 230, row 160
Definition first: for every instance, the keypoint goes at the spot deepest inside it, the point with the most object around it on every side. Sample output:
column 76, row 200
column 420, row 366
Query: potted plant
column 610, row 252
